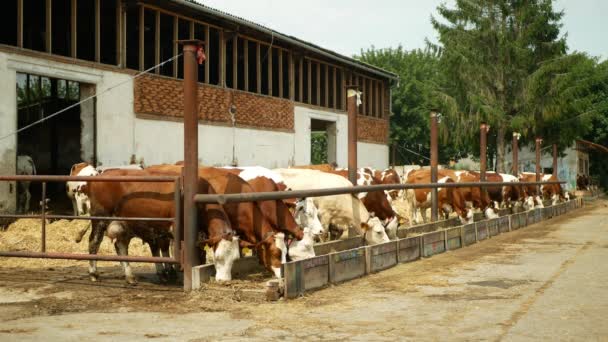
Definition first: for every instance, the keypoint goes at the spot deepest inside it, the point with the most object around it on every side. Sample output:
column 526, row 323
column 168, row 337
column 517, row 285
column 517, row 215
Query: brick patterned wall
column 372, row 129
column 163, row 96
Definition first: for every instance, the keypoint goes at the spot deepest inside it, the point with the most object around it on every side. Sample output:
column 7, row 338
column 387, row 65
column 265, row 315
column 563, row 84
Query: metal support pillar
column 515, row 152
column 555, row 160
column 190, row 159
column 434, row 163
column 351, row 94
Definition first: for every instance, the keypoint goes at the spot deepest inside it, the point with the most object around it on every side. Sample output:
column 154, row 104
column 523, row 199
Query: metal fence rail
column 43, row 216
column 279, row 195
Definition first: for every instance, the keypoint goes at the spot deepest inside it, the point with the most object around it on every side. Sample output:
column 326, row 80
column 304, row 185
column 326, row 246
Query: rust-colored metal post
column 483, row 148
column 515, row 152
column 43, row 217
column 434, row 164
column 352, row 96
column 539, row 141
column 555, row 160
column 190, row 159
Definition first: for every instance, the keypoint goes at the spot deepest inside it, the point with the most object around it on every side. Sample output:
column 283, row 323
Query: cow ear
column 364, row 226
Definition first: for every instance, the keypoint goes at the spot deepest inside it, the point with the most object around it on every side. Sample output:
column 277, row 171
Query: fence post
column 190, row 158
column 43, row 226
column 555, row 160
column 538, row 169
column 434, row 163
column 515, row 152
column 352, row 96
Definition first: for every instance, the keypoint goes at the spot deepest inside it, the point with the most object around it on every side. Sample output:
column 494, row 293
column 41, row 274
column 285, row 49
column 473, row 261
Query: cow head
column 490, row 213
column 307, row 216
column 467, row 216
column 303, row 249
column 529, row 203
column 390, row 226
column 374, row 231
column 539, row 202
column 226, row 251
column 567, row 196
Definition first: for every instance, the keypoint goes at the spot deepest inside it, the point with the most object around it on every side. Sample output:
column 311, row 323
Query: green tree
column 418, row 92
column 489, row 49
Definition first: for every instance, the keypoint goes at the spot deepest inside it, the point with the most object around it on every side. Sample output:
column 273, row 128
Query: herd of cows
column 280, row 230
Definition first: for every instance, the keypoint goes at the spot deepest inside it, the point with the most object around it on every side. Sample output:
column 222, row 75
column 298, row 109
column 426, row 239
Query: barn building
column 265, row 98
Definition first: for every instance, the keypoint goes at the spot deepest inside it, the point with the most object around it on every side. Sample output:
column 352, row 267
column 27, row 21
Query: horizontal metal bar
column 279, row 195
column 46, row 178
column 101, row 218
column 69, row 256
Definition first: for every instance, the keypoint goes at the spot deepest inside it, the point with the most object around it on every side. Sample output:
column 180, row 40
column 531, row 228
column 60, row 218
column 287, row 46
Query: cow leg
column 165, row 251
column 28, row 197
column 122, row 248
column 160, row 272
column 97, row 231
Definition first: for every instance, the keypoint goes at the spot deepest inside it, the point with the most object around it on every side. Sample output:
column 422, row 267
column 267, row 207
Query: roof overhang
column 593, row 146
column 204, row 9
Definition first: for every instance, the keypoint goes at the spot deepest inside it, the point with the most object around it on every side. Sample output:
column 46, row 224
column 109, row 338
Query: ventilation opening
column 240, row 62
column 264, row 53
column 132, row 37
column 183, row 33
column 61, row 9
column 253, row 66
column 305, row 81
column 108, row 32
column 86, row 30
column 331, row 89
column 34, row 23
column 213, row 56
column 149, row 38
column 339, row 90
column 323, row 85
column 166, row 44
column 314, row 83
column 229, row 62
column 276, row 75
column 8, row 23
column 285, row 75
column 296, row 79
column 199, row 33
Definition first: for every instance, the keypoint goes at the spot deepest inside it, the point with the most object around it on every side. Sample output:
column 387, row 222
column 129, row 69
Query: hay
column 25, row 235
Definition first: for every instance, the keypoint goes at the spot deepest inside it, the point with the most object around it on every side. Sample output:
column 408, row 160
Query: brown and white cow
column 139, row 199
column 532, row 197
column 553, row 192
column 504, row 196
column 475, row 195
column 448, row 199
column 337, row 213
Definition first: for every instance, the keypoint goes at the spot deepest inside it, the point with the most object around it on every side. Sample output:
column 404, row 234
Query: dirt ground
column 547, row 281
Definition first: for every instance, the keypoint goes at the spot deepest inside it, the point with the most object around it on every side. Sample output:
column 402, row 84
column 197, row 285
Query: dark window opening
column 323, row 86
column 240, row 63
column 85, row 35
column 275, row 72
column 199, row 33
column 314, row 84
column 108, row 32
column 60, row 31
column 285, row 75
column 149, row 38
column 296, row 79
column 330, row 82
column 8, row 23
column 374, row 100
column 264, row 52
column 305, row 81
column 252, row 66
column 213, row 56
column 132, row 37
column 229, row 62
column 183, row 33
column 339, row 89
column 166, row 44
column 34, row 25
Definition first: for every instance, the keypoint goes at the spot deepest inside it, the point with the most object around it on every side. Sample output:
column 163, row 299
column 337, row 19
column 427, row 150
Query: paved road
column 544, row 282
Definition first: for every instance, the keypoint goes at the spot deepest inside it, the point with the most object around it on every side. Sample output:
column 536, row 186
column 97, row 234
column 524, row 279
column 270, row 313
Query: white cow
column 25, row 167
column 338, row 212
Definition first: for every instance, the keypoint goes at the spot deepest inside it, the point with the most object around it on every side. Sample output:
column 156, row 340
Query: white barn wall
column 8, row 124
column 303, row 116
column 374, row 155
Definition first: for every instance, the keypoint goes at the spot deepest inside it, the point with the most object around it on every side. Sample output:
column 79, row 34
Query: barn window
column 183, row 33
column 149, row 38
column 228, row 61
column 166, row 43
column 132, row 44
column 8, row 23
column 213, row 56
column 275, row 72
column 331, row 87
column 199, row 33
column 252, row 67
column 265, row 54
column 241, row 60
column 285, row 75
column 296, row 79
column 85, row 35
column 108, row 31
column 34, row 23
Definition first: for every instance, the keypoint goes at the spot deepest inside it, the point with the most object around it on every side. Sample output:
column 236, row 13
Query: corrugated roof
column 289, row 39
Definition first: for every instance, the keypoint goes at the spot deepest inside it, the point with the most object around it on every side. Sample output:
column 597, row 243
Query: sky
column 348, row 26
